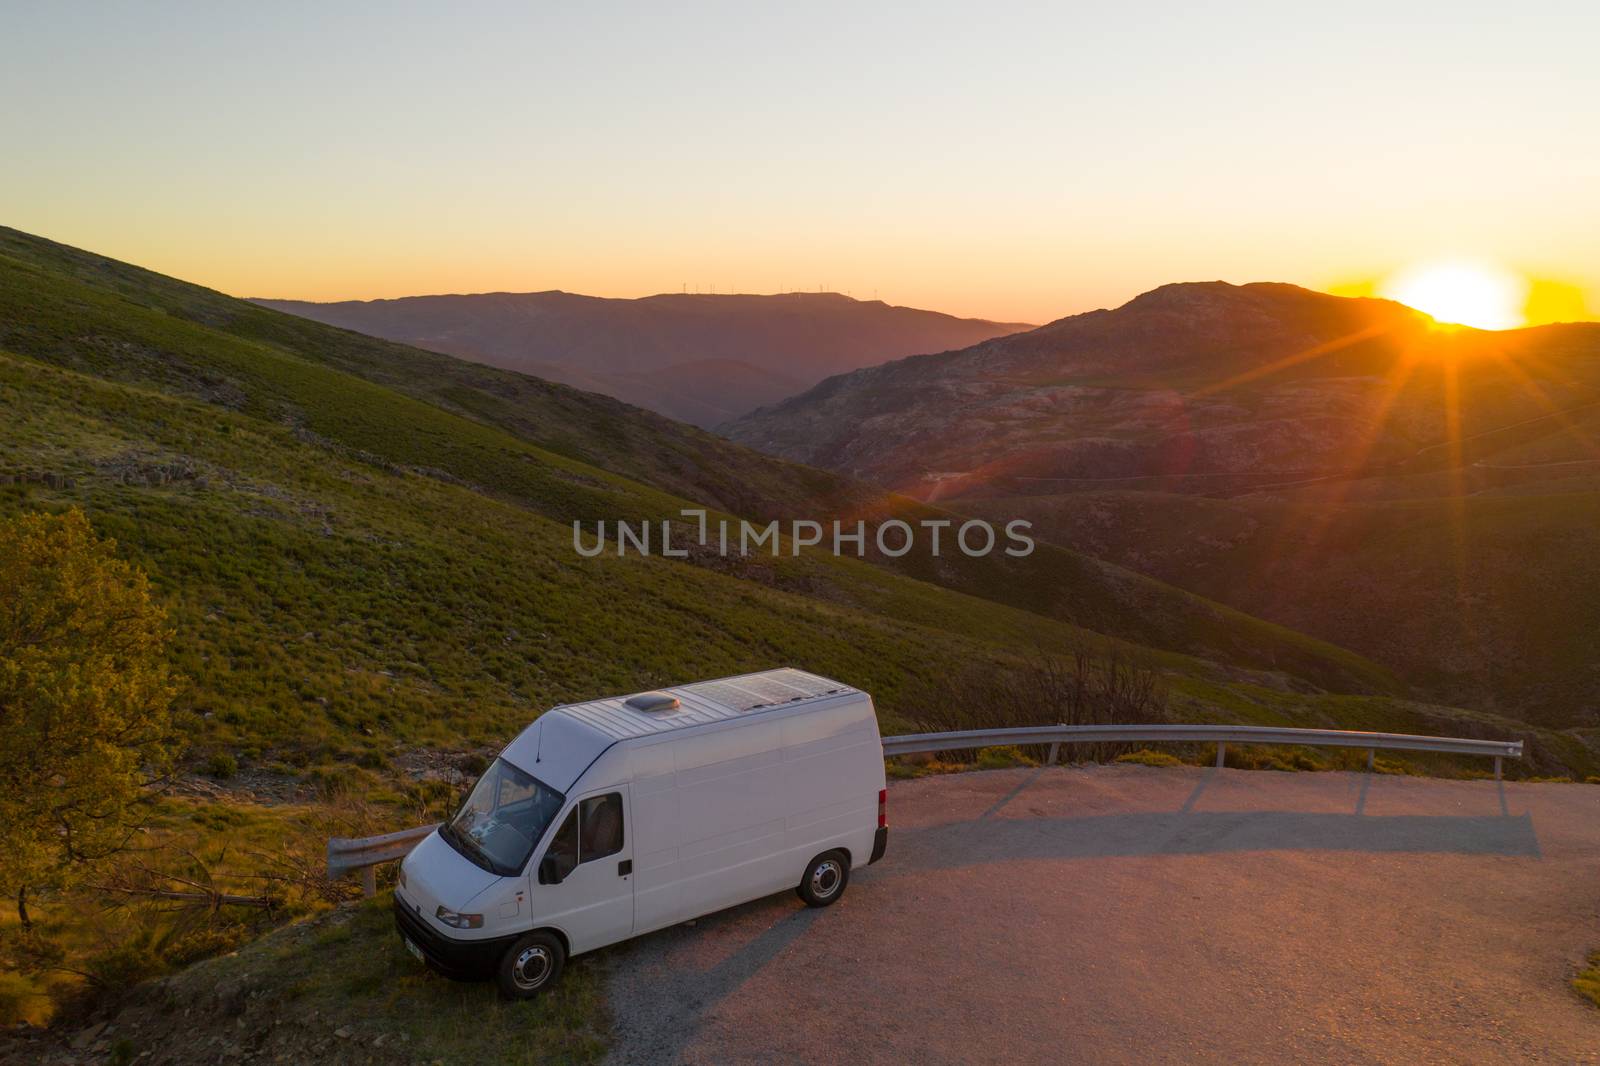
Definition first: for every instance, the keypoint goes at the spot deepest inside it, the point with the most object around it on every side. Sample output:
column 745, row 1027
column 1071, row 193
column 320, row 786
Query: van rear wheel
column 530, row 965
column 825, row 879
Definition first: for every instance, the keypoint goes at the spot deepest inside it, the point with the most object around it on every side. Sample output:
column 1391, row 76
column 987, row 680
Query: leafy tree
column 85, row 699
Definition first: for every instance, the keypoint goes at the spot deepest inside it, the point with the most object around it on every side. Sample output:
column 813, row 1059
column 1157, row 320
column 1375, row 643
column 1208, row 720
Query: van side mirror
column 549, row 871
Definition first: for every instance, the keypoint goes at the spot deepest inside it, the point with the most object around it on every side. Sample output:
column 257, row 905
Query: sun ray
column 1304, row 525
column 1457, row 500
column 1560, row 415
column 1295, row 359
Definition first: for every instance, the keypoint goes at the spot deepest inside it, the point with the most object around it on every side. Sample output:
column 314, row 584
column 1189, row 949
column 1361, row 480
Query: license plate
column 413, row 949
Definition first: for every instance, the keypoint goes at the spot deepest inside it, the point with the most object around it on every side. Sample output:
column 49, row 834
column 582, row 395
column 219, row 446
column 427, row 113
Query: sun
column 1461, row 293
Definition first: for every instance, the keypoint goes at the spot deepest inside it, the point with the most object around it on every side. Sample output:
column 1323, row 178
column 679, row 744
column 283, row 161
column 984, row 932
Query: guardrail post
column 1497, row 767
column 1055, row 749
column 369, row 881
column 1372, row 756
column 1222, row 750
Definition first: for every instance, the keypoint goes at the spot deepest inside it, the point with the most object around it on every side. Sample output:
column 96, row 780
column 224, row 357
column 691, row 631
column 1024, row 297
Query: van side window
column 602, row 826
column 564, row 845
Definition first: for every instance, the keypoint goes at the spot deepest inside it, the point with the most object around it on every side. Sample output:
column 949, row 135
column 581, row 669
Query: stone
column 87, row 1037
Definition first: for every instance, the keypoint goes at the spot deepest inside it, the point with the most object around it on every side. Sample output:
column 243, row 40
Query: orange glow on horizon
column 1475, row 294
column 1463, row 294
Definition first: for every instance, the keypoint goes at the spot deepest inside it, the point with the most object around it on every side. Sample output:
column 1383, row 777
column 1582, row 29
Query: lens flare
column 1465, row 294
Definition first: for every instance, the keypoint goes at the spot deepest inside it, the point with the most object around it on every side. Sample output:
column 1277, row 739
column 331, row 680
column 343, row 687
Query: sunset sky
column 1015, row 162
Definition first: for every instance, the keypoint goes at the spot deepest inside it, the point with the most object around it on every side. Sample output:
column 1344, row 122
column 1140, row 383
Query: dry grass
column 1587, row 982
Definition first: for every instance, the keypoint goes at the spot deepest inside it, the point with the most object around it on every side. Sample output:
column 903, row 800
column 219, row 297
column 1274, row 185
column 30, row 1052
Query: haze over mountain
column 701, row 359
column 1347, row 467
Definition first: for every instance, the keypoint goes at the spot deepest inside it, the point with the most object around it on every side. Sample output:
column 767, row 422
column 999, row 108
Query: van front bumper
column 462, row 959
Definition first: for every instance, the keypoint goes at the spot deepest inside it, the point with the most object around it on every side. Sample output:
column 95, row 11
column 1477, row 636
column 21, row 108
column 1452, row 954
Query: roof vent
column 654, row 702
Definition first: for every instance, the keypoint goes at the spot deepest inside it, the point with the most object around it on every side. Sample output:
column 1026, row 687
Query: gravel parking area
column 1128, row 914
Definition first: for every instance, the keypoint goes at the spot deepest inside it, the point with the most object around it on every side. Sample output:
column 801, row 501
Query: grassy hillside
column 557, row 452
column 1484, row 600
column 340, row 988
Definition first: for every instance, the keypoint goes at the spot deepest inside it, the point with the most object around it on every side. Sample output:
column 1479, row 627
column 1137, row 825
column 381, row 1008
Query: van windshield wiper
column 469, row 847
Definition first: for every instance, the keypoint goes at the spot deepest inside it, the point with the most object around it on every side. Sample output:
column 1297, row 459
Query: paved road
column 1126, row 914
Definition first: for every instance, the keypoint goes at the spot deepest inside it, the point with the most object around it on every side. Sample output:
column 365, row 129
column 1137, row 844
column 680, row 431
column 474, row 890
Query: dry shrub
column 1080, row 687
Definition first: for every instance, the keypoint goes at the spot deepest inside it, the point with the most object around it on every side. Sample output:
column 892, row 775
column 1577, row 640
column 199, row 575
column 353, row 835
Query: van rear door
column 583, row 882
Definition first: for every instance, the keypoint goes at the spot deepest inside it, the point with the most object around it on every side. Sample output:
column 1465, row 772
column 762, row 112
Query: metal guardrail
column 365, row 853
column 1220, row 735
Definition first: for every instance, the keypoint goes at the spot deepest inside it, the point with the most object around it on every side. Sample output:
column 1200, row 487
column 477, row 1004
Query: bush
column 126, row 964
column 205, row 942
column 222, row 766
column 23, row 999
column 372, row 760
column 1002, row 758
column 1587, row 982
column 433, row 797
column 1081, row 688
column 1285, row 760
column 336, row 780
column 1146, row 757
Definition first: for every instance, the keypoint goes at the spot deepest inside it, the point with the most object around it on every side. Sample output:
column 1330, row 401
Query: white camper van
column 609, row 819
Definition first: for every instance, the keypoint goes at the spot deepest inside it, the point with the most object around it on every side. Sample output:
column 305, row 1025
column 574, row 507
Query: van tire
column 530, row 965
column 825, row 879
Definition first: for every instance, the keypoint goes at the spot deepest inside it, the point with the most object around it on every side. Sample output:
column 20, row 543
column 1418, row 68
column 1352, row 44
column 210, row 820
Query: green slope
column 563, row 453
column 321, row 599
column 1489, row 600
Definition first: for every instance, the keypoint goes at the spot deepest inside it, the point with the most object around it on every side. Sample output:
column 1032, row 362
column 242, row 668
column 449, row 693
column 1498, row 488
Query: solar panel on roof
column 701, row 703
column 764, row 690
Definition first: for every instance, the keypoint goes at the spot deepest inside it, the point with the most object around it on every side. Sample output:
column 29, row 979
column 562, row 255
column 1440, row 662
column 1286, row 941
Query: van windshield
column 504, row 817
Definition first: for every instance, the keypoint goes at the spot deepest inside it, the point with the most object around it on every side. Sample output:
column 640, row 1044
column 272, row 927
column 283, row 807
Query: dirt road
column 1126, row 914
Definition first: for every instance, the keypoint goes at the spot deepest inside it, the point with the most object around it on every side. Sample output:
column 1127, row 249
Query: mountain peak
column 1181, row 294
column 1275, row 297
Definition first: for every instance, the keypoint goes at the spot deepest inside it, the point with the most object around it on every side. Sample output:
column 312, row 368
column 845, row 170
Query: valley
column 1347, row 468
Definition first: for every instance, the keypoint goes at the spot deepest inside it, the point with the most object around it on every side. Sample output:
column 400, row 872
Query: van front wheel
column 825, row 879
column 531, row 965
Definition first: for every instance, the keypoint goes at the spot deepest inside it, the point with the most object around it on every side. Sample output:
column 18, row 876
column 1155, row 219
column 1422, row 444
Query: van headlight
column 458, row 921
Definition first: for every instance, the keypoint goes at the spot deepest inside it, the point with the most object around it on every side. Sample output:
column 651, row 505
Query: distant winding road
column 1132, row 915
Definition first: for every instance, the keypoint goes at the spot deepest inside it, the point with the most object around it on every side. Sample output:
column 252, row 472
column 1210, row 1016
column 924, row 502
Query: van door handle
column 625, row 867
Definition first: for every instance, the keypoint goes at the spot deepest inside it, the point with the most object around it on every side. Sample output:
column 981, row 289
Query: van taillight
column 883, row 808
